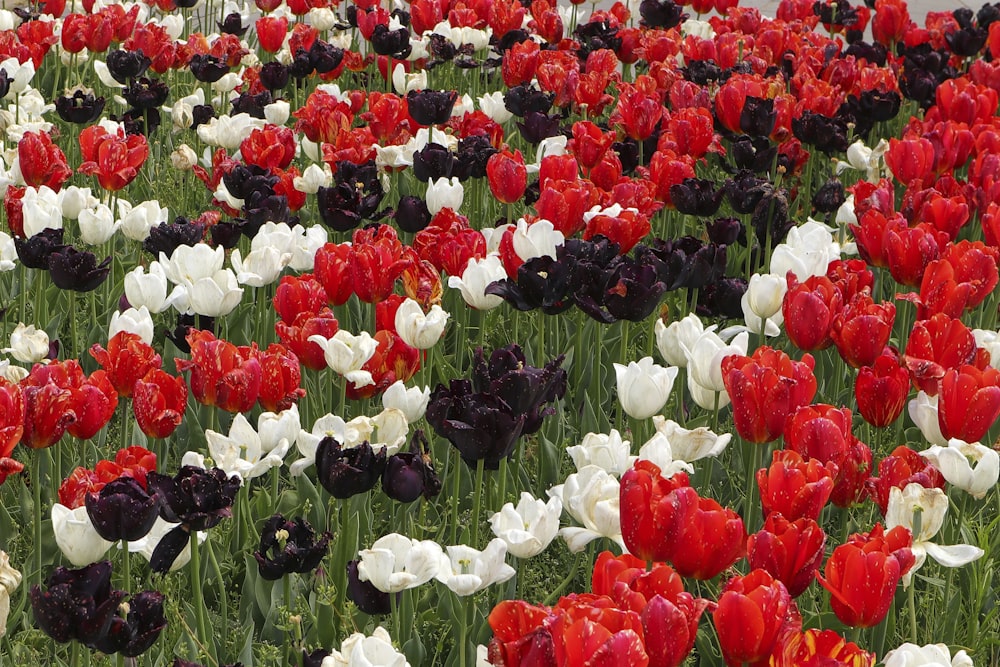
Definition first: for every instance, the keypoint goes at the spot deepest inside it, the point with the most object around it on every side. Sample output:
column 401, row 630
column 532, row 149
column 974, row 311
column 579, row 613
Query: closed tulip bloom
column 477, row 276
column 609, row 452
column 881, row 389
column 97, row 225
column 28, row 344
column 862, row 329
column 148, row 287
column 644, row 387
column 862, row 575
column 706, row 355
column 752, row 613
column 762, row 303
column 923, row 410
column 395, row 563
column 528, row 528
column 790, row 551
column 968, row 402
column 133, row 320
column 411, row 401
column 465, row 570
column 654, row 510
column 672, row 339
column 418, row 329
column 159, row 402
column 765, row 389
column 444, row 193
column 347, row 471
column 122, row 510
column 691, row 444
column 930, row 655
column 956, row 465
column 507, row 175
column 795, row 487
column 346, row 353
column 809, row 309
column 709, row 542
column 76, row 536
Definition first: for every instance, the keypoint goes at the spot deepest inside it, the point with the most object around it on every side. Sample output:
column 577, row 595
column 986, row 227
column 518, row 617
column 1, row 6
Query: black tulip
column 410, row 474
column 723, row 298
column 412, row 214
column 635, row 291
column 431, row 107
column 829, row 197
column 702, row 72
column 542, row 282
column 473, row 153
column 325, row 57
column 369, row 599
column 874, row 53
column 251, row 104
column 758, row 116
column 345, row 473
column 122, row 510
column 770, row 219
column 696, row 196
column 987, row 14
column 314, row 658
column 745, row 190
column 274, row 76
column 394, row 43
column 168, row 236
column 78, row 270
column 524, row 99
column 178, row 335
column 827, row 134
column 141, row 626
column 482, row 427
column 665, row 14
column 528, row 390
column 537, row 127
column 967, row 42
column 77, row 604
column 432, row 162
column 289, row 546
column 232, row 24
column 81, row 107
column 126, row 65
column 201, row 114
column 34, row 252
column 146, row 93
column 208, row 68
column 5, row 82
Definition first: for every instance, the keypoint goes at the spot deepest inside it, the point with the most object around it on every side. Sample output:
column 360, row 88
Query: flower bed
column 498, row 333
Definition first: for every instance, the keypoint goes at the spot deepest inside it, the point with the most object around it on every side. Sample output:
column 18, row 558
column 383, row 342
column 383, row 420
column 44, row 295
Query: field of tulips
column 497, row 332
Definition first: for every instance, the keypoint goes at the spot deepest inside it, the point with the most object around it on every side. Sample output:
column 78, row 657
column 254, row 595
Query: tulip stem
column 455, row 489
column 912, row 604
column 564, row 584
column 196, row 592
column 126, row 567
column 477, row 501
column 463, row 631
column 36, row 503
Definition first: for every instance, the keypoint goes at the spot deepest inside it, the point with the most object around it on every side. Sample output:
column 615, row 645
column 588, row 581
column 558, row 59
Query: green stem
column 564, row 584
column 477, row 501
column 455, row 487
column 36, row 502
column 912, row 604
column 196, row 592
column 463, row 633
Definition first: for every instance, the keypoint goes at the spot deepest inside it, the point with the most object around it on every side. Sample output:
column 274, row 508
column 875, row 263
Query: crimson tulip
column 862, row 329
column 127, row 360
column 936, row 345
column 897, row 470
column 626, row 229
column 271, row 147
column 11, row 426
column 589, row 144
column 908, row 251
column 709, row 541
column 653, row 515
column 862, row 575
column 377, row 260
column 870, row 234
column 222, row 374
column 765, row 388
column 271, row 32
column 298, row 294
column 48, row 412
column 968, row 402
column 295, row 336
column 809, row 309
column 508, row 177
column 41, row 161
column 114, row 158
column 795, row 487
column 910, row 159
column 753, row 613
column 790, row 551
column 333, row 270
column 95, row 400
column 891, row 22
column 881, row 389
column 159, row 401
column 280, row 378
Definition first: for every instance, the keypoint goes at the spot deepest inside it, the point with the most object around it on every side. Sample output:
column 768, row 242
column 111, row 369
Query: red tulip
column 903, row 466
column 95, row 400
column 975, row 264
column 795, row 487
column 753, row 613
column 449, row 242
column 333, row 270
column 280, row 378
column 851, row 277
column 270, row 147
column 626, row 579
column 910, row 159
column 765, row 389
column 159, row 401
column 936, row 345
column 626, row 229
column 48, row 412
column 563, row 204
column 590, row 629
column 670, row 628
column 508, row 177
column 891, row 22
column 809, row 309
column 41, row 161
column 520, row 63
column 790, row 551
column 298, row 294
column 114, row 158
column 968, row 402
column 296, row 336
column 271, row 32
column 881, row 389
column 222, row 374
column 909, row 250
column 127, row 359
column 862, row 575
column 870, row 235
column 710, row 541
column 654, row 510
column 589, row 144
column 820, row 648
column 377, row 260
column 862, row 329
column 823, row 432
column 11, row 426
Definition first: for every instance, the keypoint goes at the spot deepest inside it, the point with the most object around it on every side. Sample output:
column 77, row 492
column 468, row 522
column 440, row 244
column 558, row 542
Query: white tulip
column 477, row 276
column 216, row 295
column 395, row 563
column 188, row 264
column 76, row 536
column 183, row 158
column 989, row 341
column 12, row 373
column 147, row 288
column 761, row 303
column 279, row 429
column 444, row 193
column 137, row 221
column 10, row 579
column 657, row 450
column 229, row 131
column 930, row 655
column 361, row 651
column 133, row 320
column 411, row 402
column 41, row 210
column 465, row 570
column 956, row 465
column 260, row 267
column 403, row 81
column 493, row 105
column 807, row 251
column 313, row 178
column 8, row 252
column 673, row 338
column 704, row 358
column 691, row 445
column 20, row 74
column 307, row 241
column 528, row 528
column 932, row 505
column 74, row 200
column 644, row 387
column 240, row 453
column 418, row 329
column 28, row 344
column 608, row 452
column 277, row 112
column 97, row 224
column 923, row 410
column 591, row 497
column 539, row 239
column 346, row 353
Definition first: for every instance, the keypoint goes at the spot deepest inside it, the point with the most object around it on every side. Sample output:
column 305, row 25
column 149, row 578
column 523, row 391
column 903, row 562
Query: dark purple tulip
column 411, row 214
column 168, row 236
column 722, row 298
column 542, row 282
column 226, row 234
column 81, row 106
column 702, row 71
column 635, row 291
column 34, row 252
column 409, row 475
column 474, row 152
column 178, row 335
column 78, row 270
column 432, row 162
column 966, row 42
column 431, row 107
column 875, row 53
column 829, row 197
column 289, row 546
column 526, row 389
column 244, row 180
column 395, row 43
column 315, row 658
column 232, row 24
column 325, row 57
column 744, row 191
column 5, row 82
column 755, row 154
column 596, row 262
column 260, row 208
column 301, row 65
column 125, row 65
column 208, row 68
column 482, row 427
column 354, row 196
column 122, row 510
column 836, row 13
column 538, row 126
column 770, row 218
column 524, row 99
column 274, row 75
column 696, row 196
column 77, row 604
column 345, row 473
column 201, row 114
column 726, row 231
column 826, row 134
column 146, row 93
column 758, row 116
column 369, row 599
column 441, row 48
column 986, row 15
column 665, row 14
column 138, row 631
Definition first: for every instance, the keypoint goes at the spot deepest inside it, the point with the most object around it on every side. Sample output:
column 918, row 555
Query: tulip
column 138, row 322
column 466, row 571
column 762, row 303
column 222, row 374
column 765, row 389
column 289, row 546
column 508, row 176
column 862, row 575
column 881, row 389
column 97, row 225
column 159, row 403
column 956, row 465
column 790, row 551
column 28, row 344
column 861, row 330
column 795, row 488
column 136, row 633
column 444, row 193
column 346, row 354
column 76, row 536
column 138, row 221
column 968, row 402
column 903, row 466
column 10, row 579
column 148, row 288
column 418, row 329
column 78, row 271
column 40, row 211
column 148, row 544
column 644, row 387
column 127, row 360
column 77, row 604
column 691, row 444
column 369, row 599
column 122, row 510
column 820, row 647
column 526, row 389
column 704, row 358
column 346, row 472
column 672, row 340
column 412, row 402
column 241, row 453
column 654, row 508
column 528, row 528
column 592, row 498
column 260, row 267
column 923, row 410
column 808, row 309
column 752, row 614
column 361, row 651
column 395, row 563
column 929, row 655
column 481, row 426
column 608, row 452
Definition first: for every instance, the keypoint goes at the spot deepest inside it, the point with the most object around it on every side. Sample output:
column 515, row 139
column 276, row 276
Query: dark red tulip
column 652, row 533
column 508, row 177
column 795, row 487
column 790, row 551
column 881, row 389
column 862, row 329
column 809, row 309
column 753, row 613
column 765, row 389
